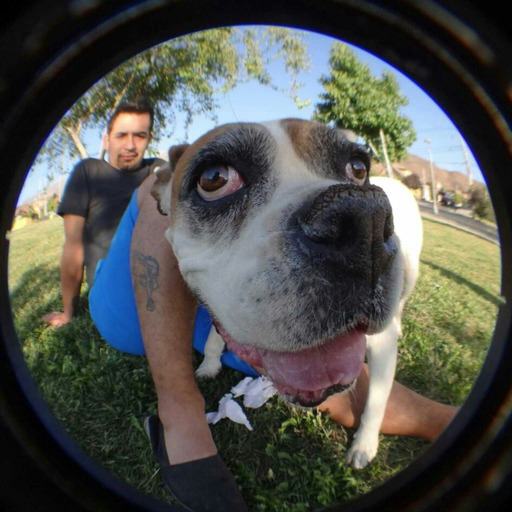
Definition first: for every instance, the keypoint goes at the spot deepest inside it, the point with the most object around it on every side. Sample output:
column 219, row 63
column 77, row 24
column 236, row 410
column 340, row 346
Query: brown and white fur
column 303, row 262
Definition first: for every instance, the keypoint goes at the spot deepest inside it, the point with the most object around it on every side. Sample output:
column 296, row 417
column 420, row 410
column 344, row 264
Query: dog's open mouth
column 307, row 376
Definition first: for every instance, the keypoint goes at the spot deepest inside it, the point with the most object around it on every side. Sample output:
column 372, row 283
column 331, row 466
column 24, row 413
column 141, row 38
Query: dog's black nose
column 352, row 227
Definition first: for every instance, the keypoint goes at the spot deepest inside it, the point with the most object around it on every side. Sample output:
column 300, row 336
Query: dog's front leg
column 213, row 349
column 381, row 354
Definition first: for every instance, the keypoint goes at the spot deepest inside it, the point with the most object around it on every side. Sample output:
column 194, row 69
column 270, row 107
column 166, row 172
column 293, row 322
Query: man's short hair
column 139, row 106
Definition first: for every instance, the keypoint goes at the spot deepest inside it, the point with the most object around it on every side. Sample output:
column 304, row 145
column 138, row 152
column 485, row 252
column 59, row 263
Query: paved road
column 460, row 218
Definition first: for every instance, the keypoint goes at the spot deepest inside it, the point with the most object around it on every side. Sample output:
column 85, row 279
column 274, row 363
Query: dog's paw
column 362, row 451
column 208, row 369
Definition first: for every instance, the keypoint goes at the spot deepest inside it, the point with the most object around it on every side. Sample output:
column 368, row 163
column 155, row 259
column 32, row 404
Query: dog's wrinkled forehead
column 252, row 149
column 325, row 150
column 237, row 168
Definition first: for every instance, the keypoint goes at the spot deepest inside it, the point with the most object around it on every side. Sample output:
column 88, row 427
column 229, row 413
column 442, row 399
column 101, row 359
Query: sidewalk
column 460, row 219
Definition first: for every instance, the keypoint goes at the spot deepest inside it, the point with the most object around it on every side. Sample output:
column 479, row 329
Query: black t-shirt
column 100, row 193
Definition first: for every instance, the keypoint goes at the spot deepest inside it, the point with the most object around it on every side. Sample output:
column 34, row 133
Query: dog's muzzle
column 350, row 227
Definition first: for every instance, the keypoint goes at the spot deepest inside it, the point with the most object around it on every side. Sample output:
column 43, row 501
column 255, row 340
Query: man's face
column 128, row 140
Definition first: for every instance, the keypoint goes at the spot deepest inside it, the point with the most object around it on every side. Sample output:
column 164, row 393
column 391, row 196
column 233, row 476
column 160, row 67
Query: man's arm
column 166, row 311
column 71, row 269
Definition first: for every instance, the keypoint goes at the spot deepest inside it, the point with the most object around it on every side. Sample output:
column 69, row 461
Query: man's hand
column 56, row 318
column 71, row 270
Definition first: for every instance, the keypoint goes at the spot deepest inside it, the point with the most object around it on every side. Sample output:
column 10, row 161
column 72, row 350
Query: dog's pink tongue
column 337, row 361
column 305, row 374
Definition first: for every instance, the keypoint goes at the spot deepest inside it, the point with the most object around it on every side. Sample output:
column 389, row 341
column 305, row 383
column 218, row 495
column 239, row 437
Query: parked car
column 446, row 199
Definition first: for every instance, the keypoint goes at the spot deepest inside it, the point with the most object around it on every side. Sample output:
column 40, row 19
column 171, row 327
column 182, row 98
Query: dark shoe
column 204, row 485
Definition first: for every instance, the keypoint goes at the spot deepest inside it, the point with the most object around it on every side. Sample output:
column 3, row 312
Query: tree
column 413, row 182
column 480, row 202
column 182, row 74
column 356, row 100
column 53, row 203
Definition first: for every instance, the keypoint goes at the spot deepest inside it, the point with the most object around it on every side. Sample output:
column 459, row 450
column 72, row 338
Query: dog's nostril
column 389, row 228
column 335, row 230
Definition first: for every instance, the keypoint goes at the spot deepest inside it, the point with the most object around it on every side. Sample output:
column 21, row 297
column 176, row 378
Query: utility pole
column 424, row 183
column 466, row 163
column 435, row 209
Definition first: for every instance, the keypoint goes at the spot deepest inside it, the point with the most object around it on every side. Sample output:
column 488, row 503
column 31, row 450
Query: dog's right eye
column 219, row 181
column 357, row 170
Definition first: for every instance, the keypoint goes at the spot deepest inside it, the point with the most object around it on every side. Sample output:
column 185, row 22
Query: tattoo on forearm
column 148, row 278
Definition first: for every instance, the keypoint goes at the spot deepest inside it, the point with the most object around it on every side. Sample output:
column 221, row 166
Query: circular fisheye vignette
column 412, row 53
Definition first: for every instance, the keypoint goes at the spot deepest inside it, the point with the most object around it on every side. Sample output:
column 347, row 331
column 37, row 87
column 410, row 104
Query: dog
column 303, row 262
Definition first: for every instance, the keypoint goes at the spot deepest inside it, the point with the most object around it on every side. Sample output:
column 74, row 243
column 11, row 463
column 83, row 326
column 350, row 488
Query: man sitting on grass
column 96, row 196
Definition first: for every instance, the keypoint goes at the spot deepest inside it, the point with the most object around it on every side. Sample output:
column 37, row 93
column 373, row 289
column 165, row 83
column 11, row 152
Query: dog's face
column 279, row 233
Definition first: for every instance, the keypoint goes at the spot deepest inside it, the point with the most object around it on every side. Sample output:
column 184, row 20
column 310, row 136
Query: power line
column 436, row 129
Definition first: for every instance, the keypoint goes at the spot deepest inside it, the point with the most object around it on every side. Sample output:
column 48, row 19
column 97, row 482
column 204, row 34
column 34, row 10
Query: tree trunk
column 374, row 149
column 385, row 151
column 77, row 142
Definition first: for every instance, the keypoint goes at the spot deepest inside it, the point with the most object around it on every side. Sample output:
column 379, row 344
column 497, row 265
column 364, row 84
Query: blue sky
column 252, row 102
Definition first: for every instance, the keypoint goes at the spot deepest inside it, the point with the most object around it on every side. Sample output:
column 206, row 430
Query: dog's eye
column 356, row 170
column 219, row 181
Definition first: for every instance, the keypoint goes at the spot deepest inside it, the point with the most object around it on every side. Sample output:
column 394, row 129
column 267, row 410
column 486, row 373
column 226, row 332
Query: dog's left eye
column 219, row 181
column 356, row 170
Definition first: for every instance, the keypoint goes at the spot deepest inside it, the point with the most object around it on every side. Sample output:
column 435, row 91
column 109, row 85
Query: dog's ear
column 161, row 190
column 175, row 153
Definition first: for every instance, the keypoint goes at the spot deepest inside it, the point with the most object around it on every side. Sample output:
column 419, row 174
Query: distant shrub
column 481, row 203
column 412, row 181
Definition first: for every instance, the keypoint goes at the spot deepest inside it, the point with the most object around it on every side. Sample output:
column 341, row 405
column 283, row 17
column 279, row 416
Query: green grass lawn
column 294, row 458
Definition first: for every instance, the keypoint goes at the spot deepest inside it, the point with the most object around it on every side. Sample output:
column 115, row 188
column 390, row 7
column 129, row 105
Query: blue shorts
column 112, row 300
